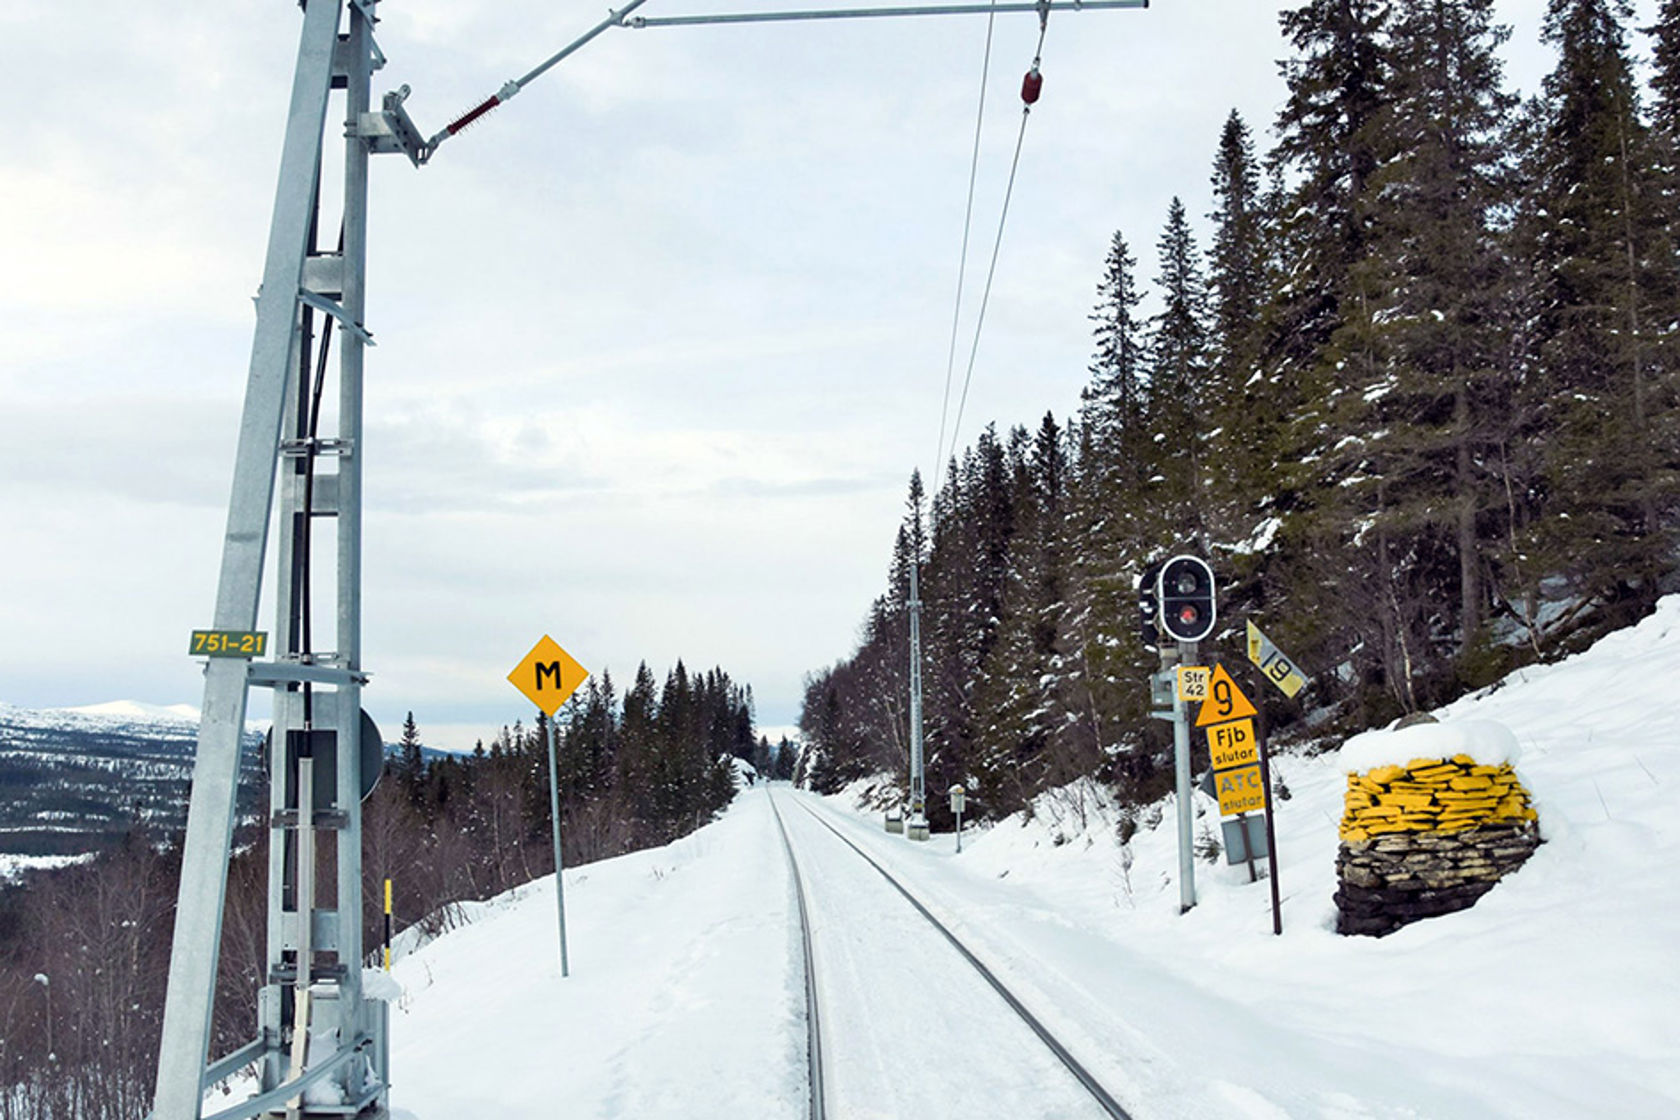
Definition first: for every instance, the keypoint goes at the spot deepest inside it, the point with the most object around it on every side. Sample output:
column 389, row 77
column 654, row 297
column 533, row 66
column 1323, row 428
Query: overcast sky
column 659, row 342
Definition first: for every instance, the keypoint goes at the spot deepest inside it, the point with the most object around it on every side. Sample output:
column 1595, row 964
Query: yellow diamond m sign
column 548, row 675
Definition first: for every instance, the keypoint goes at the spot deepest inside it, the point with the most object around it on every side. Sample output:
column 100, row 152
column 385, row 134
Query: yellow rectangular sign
column 1240, row 791
column 1193, row 682
column 1273, row 664
column 1233, row 744
column 228, row 643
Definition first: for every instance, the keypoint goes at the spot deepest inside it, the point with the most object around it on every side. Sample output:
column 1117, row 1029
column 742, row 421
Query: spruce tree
column 1237, row 398
column 1427, row 343
column 1337, row 84
column 1014, row 696
column 1665, row 67
column 1178, row 369
column 1113, row 400
column 411, row 765
column 1596, row 402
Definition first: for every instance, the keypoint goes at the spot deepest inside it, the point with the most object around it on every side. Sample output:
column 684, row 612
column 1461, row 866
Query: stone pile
column 1428, row 838
column 1432, row 795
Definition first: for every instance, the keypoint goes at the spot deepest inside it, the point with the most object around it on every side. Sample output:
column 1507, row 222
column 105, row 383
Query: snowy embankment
column 684, row 986
column 1552, row 997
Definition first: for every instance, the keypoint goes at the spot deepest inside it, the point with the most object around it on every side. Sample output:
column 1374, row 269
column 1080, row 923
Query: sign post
column 1241, row 774
column 548, row 676
column 957, row 795
column 1278, row 668
column 1175, row 686
column 1271, row 840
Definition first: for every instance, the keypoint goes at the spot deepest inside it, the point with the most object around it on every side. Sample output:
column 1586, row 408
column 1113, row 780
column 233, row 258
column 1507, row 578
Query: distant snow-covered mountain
column 134, row 711
column 74, row 779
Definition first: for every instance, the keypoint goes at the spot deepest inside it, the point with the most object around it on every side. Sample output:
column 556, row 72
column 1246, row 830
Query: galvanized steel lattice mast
column 918, row 783
column 317, row 695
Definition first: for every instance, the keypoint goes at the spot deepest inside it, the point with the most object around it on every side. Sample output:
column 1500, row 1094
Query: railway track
column 820, row 1094
column 813, row 1019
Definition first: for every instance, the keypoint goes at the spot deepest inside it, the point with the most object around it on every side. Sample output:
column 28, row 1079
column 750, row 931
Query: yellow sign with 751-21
column 227, row 643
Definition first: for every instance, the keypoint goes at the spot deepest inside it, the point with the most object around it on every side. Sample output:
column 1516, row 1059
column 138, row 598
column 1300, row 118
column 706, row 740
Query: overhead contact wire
column 962, row 262
column 997, row 244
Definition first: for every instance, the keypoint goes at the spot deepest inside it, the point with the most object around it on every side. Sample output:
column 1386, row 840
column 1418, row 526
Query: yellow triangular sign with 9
column 1225, row 700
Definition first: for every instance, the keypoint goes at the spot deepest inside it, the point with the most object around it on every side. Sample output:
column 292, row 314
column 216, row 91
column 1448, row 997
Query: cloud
column 659, row 342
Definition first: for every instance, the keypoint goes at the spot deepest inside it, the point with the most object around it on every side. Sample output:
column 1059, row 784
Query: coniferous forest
column 1412, row 394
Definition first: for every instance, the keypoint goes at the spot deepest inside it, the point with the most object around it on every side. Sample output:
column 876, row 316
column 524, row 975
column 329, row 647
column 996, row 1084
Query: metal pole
column 352, row 344
column 915, row 828
column 305, row 910
column 190, row 996
column 559, row 865
column 1181, row 768
column 1248, row 844
column 1271, row 828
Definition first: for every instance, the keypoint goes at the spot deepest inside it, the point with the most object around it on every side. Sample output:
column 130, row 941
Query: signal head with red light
column 1185, row 590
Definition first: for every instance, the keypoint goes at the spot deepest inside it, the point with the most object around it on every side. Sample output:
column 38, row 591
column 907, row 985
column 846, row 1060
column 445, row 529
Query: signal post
column 1177, row 598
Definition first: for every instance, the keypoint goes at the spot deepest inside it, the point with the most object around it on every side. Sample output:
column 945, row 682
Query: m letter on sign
column 548, row 675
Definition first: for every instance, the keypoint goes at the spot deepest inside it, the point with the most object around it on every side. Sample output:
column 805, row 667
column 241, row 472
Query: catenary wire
column 997, row 245
column 962, row 261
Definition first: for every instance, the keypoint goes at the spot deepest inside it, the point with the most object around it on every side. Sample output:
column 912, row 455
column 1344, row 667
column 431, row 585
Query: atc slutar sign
column 1240, row 776
column 1228, row 717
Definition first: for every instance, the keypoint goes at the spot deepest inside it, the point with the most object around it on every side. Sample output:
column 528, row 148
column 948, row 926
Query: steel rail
column 1080, row 1073
column 813, row 1023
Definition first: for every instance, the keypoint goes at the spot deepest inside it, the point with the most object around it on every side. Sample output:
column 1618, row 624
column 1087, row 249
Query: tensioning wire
column 962, row 262
column 991, row 270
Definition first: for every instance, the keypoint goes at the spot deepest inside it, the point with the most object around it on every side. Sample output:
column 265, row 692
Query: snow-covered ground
column 684, row 991
column 1553, row 997
column 14, row 866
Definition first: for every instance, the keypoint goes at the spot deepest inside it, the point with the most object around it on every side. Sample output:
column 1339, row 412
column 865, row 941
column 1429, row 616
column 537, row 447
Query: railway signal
column 1186, row 596
column 1182, row 607
column 1149, row 608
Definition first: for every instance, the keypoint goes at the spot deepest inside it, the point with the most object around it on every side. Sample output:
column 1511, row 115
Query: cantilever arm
column 509, row 89
column 621, row 18
column 876, row 13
